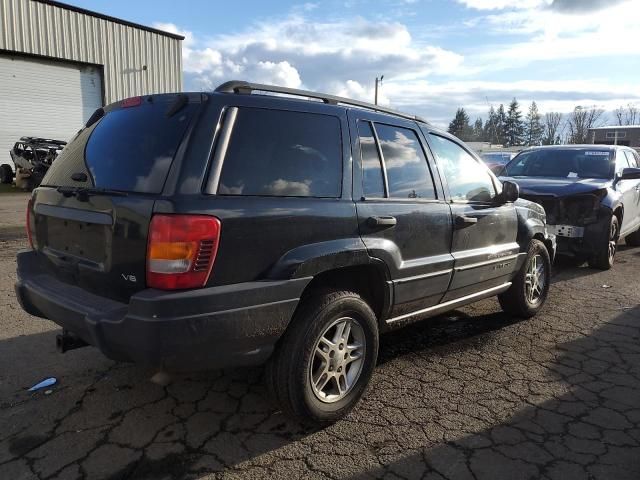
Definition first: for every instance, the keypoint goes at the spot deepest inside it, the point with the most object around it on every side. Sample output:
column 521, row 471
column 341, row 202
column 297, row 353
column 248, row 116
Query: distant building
column 58, row 63
column 628, row 135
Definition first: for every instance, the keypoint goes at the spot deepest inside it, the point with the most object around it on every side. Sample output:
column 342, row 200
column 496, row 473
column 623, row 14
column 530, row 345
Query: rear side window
column 408, row 174
column 129, row 149
column 282, row 153
column 372, row 180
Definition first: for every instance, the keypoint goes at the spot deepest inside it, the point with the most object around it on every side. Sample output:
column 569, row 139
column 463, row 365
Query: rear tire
column 530, row 287
column 633, row 239
column 318, row 373
column 604, row 257
column 6, row 174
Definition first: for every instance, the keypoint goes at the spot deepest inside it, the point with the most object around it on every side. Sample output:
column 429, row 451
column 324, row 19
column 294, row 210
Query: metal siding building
column 628, row 135
column 58, row 63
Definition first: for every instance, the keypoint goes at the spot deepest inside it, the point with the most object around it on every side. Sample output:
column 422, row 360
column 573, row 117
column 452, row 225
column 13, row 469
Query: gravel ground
column 474, row 394
column 13, row 208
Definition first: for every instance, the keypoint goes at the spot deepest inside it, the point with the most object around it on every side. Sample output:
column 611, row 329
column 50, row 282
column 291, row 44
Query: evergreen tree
column 478, row 131
column 501, row 126
column 534, row 129
column 490, row 127
column 460, row 126
column 514, row 126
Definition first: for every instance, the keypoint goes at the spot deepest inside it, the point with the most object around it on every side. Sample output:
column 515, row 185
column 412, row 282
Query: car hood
column 560, row 187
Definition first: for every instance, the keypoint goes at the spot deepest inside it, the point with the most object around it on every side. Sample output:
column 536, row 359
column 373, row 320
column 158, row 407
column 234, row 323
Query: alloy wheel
column 613, row 241
column 338, row 358
column 535, row 280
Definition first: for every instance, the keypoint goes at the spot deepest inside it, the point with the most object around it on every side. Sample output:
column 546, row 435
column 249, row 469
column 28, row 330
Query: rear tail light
column 28, row 225
column 181, row 250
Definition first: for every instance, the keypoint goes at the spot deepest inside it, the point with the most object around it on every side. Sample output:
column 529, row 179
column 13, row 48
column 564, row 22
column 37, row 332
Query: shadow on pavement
column 590, row 432
column 107, row 420
column 441, row 405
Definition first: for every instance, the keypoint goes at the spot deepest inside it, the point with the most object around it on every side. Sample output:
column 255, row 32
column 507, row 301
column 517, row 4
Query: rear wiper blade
column 89, row 191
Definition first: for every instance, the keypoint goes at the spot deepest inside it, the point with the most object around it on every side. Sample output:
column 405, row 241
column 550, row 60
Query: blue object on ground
column 47, row 382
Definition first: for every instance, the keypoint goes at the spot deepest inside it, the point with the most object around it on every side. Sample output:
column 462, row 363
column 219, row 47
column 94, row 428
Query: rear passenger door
column 402, row 215
column 484, row 238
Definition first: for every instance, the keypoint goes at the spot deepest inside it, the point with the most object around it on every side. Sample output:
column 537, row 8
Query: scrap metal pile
column 32, row 158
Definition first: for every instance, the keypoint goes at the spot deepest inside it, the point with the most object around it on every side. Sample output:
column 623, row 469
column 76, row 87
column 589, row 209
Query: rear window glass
column 284, row 154
column 129, row 149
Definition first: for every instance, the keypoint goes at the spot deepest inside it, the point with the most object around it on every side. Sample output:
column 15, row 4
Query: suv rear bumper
column 230, row 325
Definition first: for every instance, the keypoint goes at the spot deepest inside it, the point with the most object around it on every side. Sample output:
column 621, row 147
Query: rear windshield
column 562, row 163
column 129, row 149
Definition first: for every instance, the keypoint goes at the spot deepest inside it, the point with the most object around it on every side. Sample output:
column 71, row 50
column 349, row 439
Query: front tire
column 325, row 360
column 530, row 287
column 604, row 257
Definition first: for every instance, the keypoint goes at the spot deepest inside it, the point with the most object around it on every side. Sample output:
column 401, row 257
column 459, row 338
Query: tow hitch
column 68, row 341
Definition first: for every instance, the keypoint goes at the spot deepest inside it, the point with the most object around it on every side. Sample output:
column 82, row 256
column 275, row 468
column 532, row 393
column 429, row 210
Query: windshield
column 501, row 158
column 562, row 163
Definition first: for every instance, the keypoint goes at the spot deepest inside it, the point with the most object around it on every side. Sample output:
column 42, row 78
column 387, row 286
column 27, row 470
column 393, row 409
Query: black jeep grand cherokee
column 231, row 228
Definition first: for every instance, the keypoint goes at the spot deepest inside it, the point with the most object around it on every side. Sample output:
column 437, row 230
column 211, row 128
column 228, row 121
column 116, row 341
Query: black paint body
column 87, row 269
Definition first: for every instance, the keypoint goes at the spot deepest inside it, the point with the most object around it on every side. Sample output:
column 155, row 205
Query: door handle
column 387, row 221
column 463, row 221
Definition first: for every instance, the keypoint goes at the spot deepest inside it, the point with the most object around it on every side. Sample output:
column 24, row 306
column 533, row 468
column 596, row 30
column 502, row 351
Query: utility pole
column 378, row 81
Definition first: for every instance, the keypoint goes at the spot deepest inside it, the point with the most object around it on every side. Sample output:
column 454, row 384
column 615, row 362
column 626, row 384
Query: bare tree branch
column 581, row 120
column 552, row 130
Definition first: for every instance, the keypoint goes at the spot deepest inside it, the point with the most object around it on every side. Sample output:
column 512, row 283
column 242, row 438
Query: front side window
column 407, row 170
column 283, row 154
column 467, row 178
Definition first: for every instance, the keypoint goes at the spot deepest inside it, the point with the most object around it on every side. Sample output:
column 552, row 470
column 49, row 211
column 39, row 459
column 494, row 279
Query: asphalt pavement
column 474, row 394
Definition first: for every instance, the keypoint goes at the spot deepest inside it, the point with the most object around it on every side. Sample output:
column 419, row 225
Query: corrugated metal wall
column 38, row 28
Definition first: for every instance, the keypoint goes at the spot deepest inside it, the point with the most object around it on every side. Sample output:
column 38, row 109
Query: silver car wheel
column 535, row 279
column 338, row 358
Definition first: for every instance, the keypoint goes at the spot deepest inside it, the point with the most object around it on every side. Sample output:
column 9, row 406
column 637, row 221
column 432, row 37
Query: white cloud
column 344, row 57
column 337, row 57
column 553, row 35
column 502, row 4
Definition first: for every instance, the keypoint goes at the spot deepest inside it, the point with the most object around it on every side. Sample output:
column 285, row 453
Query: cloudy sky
column 435, row 55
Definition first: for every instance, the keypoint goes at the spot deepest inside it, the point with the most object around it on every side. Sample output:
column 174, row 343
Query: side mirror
column 510, row 192
column 629, row 174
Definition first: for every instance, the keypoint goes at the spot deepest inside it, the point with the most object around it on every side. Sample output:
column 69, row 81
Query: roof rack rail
column 241, row 87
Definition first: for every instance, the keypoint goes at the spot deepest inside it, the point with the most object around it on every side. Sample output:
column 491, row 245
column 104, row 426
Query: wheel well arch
column 369, row 281
column 619, row 213
column 547, row 243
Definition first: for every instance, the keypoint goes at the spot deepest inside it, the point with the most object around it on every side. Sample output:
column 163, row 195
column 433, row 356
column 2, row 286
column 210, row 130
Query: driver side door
column 484, row 243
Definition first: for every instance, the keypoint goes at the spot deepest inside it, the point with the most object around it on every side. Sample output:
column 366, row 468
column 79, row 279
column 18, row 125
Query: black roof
column 110, row 18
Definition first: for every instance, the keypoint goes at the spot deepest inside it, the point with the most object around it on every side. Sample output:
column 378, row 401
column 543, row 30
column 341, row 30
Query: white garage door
column 44, row 98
